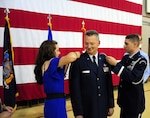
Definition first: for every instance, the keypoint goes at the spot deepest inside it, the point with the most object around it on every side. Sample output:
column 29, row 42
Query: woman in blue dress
column 49, row 71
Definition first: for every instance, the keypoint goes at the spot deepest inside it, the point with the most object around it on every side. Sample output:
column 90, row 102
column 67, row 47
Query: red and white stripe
column 113, row 19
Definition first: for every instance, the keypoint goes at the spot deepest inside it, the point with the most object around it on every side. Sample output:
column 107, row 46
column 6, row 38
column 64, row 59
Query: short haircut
column 92, row 32
column 133, row 38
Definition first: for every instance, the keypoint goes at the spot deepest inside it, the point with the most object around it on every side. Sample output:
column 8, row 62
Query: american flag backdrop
column 113, row 19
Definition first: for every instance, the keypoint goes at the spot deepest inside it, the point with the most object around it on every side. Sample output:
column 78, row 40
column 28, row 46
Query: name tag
column 86, row 71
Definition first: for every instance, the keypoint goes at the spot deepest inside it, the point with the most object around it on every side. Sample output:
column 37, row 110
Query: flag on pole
column 9, row 82
column 49, row 29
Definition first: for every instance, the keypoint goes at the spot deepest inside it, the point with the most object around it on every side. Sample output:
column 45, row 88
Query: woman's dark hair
column 46, row 52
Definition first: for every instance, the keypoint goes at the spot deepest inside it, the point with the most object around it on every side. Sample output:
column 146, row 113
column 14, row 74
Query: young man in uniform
column 131, row 68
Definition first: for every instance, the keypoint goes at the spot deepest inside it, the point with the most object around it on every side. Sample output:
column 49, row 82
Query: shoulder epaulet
column 103, row 54
column 142, row 56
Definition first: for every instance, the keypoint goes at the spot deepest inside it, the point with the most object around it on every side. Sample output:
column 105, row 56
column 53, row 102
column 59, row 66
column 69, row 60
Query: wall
column 145, row 28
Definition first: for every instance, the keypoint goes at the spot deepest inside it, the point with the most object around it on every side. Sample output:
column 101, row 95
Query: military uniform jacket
column 130, row 92
column 91, row 87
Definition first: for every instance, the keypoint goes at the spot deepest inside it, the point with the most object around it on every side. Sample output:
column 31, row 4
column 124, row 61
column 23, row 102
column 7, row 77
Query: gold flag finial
column 6, row 11
column 49, row 20
column 83, row 26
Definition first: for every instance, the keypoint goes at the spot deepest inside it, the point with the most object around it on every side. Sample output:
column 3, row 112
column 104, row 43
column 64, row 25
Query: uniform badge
column 105, row 68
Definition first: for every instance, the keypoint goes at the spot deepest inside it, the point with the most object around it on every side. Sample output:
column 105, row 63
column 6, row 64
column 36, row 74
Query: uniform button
column 120, row 86
column 99, row 94
column 99, row 87
column 97, row 78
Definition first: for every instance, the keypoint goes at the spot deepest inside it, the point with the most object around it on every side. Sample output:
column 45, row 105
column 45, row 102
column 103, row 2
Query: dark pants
column 125, row 114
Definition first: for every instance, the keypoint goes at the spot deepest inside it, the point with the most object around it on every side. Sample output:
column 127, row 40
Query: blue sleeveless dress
column 53, row 80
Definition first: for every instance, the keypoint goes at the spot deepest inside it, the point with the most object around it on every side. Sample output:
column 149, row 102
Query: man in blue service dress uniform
column 131, row 68
column 90, row 79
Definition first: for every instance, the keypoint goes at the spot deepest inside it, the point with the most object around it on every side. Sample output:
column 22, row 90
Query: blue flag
column 9, row 80
column 49, row 32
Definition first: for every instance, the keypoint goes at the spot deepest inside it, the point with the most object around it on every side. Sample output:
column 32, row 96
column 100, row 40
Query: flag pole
column 49, row 27
column 83, row 33
column 6, row 11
